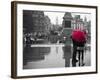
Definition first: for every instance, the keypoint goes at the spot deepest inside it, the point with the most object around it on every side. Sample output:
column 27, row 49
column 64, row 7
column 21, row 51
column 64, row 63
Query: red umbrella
column 79, row 35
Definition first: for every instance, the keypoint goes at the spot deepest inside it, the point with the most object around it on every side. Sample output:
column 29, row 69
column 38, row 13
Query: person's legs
column 79, row 53
column 74, row 60
column 82, row 52
column 82, row 55
column 83, row 58
column 74, row 53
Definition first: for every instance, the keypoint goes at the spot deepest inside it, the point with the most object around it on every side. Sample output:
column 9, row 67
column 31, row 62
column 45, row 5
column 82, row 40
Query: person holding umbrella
column 79, row 39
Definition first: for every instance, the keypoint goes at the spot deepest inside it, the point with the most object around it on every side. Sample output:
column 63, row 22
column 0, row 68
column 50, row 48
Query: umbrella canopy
column 79, row 35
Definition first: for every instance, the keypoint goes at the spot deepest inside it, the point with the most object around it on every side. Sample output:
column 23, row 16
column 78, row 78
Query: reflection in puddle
column 34, row 53
column 48, row 57
column 43, row 57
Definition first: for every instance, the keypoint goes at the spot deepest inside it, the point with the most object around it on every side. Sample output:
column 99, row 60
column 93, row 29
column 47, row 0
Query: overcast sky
column 54, row 15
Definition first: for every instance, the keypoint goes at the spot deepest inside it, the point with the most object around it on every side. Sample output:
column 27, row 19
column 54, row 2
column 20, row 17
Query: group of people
column 79, row 38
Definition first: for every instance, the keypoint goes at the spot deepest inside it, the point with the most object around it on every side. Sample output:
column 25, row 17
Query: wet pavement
column 50, row 56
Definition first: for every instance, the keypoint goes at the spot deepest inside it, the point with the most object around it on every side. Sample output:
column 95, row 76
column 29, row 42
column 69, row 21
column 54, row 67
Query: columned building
column 77, row 22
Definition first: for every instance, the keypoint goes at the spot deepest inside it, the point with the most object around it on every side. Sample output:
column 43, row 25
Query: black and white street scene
column 53, row 39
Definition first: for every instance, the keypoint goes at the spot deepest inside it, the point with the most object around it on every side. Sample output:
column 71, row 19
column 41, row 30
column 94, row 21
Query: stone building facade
column 69, row 23
column 77, row 22
column 35, row 22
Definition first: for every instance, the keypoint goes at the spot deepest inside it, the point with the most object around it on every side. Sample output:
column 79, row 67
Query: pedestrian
column 79, row 39
column 28, row 38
